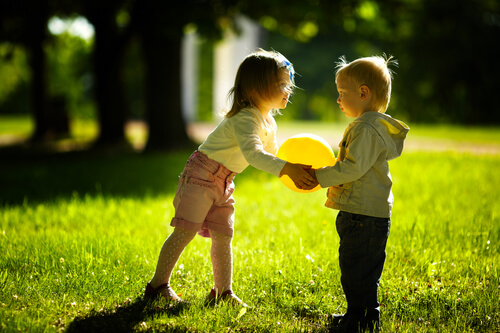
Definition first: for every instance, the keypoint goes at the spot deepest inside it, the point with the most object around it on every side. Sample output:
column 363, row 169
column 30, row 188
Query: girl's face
column 280, row 99
column 349, row 98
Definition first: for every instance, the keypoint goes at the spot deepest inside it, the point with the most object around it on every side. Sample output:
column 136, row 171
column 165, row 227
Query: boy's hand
column 312, row 173
column 299, row 175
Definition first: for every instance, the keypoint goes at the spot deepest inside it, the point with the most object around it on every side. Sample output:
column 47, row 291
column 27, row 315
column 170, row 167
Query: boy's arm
column 364, row 148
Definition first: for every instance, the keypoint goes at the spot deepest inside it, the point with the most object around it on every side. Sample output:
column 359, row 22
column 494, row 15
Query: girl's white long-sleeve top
column 245, row 139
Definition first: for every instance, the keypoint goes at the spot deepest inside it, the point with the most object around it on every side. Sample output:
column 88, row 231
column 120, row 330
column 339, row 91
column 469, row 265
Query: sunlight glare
column 78, row 26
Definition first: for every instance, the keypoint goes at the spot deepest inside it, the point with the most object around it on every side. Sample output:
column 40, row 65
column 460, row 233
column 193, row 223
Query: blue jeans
column 362, row 255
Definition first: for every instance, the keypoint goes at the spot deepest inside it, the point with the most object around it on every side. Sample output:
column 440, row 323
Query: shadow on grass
column 126, row 318
column 45, row 177
column 28, row 177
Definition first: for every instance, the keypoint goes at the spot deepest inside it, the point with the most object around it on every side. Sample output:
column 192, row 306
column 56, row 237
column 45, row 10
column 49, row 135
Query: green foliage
column 445, row 51
column 12, row 68
column 438, row 45
column 134, row 70
column 18, row 126
column 316, row 96
column 14, row 74
column 70, row 75
column 70, row 78
column 205, row 104
column 80, row 235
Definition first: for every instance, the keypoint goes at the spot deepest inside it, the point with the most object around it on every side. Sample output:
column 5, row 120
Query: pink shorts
column 204, row 198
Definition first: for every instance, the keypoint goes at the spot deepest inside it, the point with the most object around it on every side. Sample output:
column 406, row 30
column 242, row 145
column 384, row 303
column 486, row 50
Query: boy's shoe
column 335, row 319
column 162, row 290
column 353, row 324
column 372, row 324
column 226, row 296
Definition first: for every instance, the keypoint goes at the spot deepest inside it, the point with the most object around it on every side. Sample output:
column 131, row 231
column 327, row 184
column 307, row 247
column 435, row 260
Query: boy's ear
column 364, row 92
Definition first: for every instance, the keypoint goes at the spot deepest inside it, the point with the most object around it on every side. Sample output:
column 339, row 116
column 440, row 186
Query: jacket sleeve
column 246, row 130
column 363, row 148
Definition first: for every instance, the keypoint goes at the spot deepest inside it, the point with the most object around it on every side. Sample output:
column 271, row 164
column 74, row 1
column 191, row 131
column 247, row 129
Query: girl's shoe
column 162, row 290
column 226, row 296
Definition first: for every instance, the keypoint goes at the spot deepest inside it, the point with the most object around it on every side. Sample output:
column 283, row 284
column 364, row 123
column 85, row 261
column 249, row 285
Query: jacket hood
column 391, row 130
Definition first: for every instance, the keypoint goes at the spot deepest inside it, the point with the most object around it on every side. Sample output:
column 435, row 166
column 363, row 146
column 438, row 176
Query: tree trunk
column 37, row 19
column 160, row 27
column 109, row 53
column 167, row 128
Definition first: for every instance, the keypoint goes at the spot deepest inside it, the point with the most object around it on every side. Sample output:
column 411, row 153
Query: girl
column 247, row 135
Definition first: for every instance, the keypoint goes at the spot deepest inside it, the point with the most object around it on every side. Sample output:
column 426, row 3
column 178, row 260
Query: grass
column 80, row 235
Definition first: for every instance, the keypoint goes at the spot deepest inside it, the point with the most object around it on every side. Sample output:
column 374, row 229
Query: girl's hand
column 300, row 175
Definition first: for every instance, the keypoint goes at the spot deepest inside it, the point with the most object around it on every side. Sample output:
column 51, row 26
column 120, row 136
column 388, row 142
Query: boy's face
column 350, row 101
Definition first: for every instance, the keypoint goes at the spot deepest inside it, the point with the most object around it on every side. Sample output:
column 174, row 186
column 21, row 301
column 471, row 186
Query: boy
column 360, row 186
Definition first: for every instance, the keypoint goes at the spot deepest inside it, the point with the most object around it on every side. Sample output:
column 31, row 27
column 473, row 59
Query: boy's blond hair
column 372, row 72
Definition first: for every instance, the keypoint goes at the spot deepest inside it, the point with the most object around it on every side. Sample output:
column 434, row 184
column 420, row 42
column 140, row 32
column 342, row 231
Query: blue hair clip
column 288, row 65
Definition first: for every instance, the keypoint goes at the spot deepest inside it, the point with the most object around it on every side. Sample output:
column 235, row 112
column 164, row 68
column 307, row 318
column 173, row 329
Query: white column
column 190, row 76
column 228, row 54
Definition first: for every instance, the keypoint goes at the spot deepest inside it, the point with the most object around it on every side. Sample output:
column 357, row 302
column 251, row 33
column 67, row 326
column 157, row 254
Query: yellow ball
column 307, row 149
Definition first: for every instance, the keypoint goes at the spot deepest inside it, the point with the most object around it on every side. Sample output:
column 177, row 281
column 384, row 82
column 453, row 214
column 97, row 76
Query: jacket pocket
column 340, row 193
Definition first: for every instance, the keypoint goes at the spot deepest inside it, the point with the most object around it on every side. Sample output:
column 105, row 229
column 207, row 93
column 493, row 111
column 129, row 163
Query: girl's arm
column 246, row 131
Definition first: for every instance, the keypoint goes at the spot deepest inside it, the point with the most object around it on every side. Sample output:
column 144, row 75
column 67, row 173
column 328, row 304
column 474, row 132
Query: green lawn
column 80, row 235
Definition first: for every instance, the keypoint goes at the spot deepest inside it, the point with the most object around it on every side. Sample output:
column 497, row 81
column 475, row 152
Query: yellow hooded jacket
column 360, row 181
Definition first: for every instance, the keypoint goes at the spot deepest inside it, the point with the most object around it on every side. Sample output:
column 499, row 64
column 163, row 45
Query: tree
column 24, row 22
column 446, row 51
column 452, row 62
column 160, row 27
column 108, row 58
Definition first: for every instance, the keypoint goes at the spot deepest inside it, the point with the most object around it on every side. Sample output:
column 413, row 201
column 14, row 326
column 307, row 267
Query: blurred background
column 160, row 65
